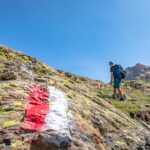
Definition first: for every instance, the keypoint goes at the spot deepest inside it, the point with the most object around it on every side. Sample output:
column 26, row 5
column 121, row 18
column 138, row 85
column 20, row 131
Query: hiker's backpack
column 119, row 72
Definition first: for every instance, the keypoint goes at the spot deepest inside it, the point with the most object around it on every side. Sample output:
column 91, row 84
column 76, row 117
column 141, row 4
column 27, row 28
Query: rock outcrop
column 138, row 72
column 94, row 121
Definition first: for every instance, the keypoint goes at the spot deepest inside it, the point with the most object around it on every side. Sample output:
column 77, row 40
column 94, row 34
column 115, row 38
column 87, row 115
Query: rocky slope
column 138, row 72
column 95, row 121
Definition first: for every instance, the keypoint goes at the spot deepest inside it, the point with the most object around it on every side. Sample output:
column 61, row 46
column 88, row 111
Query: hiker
column 117, row 74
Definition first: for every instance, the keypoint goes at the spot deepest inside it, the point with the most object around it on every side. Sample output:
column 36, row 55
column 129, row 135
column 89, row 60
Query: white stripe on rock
column 57, row 116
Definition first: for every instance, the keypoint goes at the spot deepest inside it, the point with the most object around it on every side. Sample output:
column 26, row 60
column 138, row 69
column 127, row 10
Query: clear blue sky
column 79, row 36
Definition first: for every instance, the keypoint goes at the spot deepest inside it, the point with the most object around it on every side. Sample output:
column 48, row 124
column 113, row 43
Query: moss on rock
column 9, row 123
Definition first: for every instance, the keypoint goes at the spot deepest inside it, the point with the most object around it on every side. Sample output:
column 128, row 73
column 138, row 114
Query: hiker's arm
column 111, row 77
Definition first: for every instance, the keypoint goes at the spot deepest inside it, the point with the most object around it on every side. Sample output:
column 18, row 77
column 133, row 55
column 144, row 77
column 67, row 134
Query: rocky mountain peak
column 137, row 72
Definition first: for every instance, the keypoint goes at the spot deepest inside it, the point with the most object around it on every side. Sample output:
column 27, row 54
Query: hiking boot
column 122, row 99
column 114, row 97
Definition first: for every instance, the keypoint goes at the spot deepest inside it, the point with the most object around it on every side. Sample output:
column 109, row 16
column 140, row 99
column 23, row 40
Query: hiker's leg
column 120, row 92
column 114, row 95
column 115, row 91
column 117, row 86
column 121, row 95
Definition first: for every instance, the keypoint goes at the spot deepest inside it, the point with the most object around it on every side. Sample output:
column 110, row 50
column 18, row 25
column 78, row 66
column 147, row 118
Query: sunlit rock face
column 79, row 112
column 138, row 72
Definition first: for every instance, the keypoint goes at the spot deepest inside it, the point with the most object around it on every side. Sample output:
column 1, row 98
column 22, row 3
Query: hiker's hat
column 111, row 63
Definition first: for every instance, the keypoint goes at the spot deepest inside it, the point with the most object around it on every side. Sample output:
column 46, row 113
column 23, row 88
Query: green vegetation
column 7, row 54
column 136, row 96
column 40, row 69
column 24, row 59
column 5, row 107
column 2, row 56
column 137, row 84
column 125, row 107
column 9, row 123
column 2, row 67
column 17, row 103
column 17, row 144
column 120, row 144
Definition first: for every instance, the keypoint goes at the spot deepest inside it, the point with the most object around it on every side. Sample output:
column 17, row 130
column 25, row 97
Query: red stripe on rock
column 36, row 109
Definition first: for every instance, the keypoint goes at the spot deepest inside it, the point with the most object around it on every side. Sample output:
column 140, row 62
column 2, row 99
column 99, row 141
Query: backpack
column 119, row 72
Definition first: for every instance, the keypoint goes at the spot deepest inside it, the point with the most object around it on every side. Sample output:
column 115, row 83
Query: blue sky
column 79, row 36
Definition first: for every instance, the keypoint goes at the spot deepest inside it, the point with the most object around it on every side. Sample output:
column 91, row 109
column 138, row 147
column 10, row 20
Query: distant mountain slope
column 138, row 72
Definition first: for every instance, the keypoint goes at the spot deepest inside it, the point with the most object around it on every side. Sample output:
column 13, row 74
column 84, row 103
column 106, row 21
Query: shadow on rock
column 53, row 142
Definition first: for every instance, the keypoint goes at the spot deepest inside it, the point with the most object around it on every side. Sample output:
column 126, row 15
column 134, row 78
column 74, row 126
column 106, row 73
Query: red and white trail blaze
column 46, row 109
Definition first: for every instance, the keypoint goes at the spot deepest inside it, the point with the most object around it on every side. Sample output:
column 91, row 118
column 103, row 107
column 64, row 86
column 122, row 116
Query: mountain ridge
column 138, row 72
